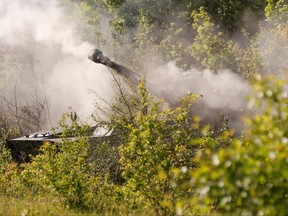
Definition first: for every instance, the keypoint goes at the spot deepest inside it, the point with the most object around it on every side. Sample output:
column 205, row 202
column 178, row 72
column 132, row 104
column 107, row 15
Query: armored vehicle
column 28, row 145
column 24, row 147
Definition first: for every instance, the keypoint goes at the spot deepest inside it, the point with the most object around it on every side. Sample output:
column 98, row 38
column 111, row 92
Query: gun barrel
column 99, row 57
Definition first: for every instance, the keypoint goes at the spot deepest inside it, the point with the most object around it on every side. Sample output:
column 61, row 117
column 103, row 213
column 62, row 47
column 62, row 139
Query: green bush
column 159, row 141
column 250, row 177
column 62, row 170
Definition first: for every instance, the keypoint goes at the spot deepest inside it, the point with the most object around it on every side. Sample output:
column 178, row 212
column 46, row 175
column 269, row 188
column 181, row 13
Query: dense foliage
column 250, row 177
column 168, row 162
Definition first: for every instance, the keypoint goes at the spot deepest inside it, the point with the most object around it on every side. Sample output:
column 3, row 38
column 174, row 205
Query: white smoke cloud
column 62, row 69
column 44, row 22
column 222, row 90
column 221, row 93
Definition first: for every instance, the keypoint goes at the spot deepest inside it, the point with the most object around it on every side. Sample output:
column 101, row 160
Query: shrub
column 63, row 170
column 159, row 141
column 250, row 178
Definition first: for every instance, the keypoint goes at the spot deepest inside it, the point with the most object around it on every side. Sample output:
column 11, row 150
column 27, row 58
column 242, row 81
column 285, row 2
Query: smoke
column 225, row 92
column 60, row 70
column 63, row 74
column 41, row 21
column 221, row 93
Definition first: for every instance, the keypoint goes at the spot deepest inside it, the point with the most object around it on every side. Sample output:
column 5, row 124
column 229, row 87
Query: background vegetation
column 167, row 162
